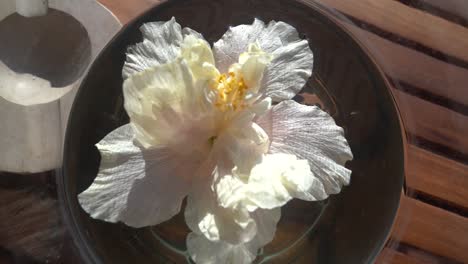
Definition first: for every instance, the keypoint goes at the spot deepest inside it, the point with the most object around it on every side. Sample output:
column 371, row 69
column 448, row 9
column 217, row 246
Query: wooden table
column 423, row 46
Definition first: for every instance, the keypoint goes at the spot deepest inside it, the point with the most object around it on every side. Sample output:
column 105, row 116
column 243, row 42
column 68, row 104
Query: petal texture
column 206, row 217
column 199, row 57
column 161, row 44
column 292, row 61
column 244, row 146
column 266, row 221
column 252, row 66
column 310, row 134
column 167, row 107
column 136, row 186
column 272, row 182
column 202, row 250
column 279, row 178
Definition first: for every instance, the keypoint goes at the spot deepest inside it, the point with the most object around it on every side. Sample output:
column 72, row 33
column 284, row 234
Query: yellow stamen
column 231, row 90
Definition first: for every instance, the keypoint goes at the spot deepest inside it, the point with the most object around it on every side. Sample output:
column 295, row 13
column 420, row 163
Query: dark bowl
column 350, row 227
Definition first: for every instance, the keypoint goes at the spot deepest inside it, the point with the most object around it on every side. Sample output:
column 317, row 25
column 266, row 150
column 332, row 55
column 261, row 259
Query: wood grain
column 432, row 229
column 409, row 23
column 404, row 64
column 457, row 7
column 437, row 175
column 30, row 224
column 427, row 172
column 433, row 122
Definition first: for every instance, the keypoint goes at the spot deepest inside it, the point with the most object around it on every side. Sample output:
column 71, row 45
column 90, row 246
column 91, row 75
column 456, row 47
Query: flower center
column 231, row 90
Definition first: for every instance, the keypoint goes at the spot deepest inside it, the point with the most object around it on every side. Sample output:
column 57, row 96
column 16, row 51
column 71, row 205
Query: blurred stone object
column 46, row 48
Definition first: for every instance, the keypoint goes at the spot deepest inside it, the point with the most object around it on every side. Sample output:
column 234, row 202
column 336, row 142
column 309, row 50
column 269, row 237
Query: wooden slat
column 409, row 23
column 457, row 7
column 126, row 10
column 390, row 256
column 432, row 229
column 404, row 64
column 437, row 175
column 433, row 122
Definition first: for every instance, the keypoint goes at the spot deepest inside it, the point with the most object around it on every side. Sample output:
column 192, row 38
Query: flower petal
column 277, row 179
column 244, row 145
column 292, row 61
column 161, row 44
column 266, row 221
column 205, row 216
column 311, row 134
column 164, row 104
column 199, row 57
column 234, row 193
column 202, row 250
column 135, row 186
column 252, row 66
column 230, row 191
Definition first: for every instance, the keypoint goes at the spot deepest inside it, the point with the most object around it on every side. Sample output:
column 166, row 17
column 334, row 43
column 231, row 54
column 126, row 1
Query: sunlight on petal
column 252, row 65
column 197, row 53
column 292, row 61
column 202, row 250
column 205, row 216
column 161, row 44
column 133, row 185
column 310, row 134
column 164, row 103
column 266, row 220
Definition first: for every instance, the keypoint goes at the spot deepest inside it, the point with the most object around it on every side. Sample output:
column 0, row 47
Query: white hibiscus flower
column 217, row 126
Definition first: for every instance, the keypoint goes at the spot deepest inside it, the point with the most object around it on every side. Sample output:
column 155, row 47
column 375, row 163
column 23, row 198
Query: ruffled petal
column 167, row 107
column 161, row 44
column 292, row 61
column 197, row 53
column 277, row 179
column 236, row 41
column 272, row 182
column 135, row 186
column 202, row 250
column 252, row 66
column 205, row 216
column 244, row 145
column 266, row 221
column 310, row 134
column 230, row 191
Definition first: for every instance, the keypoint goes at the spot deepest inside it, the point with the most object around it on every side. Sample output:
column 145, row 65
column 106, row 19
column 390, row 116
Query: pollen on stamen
column 230, row 91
